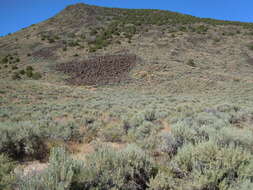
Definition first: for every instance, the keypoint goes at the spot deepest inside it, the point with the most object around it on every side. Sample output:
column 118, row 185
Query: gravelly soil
column 100, row 70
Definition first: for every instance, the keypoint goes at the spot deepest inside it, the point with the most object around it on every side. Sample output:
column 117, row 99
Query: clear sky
column 17, row 14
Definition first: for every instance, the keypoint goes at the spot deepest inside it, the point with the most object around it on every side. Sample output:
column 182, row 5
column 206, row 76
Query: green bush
column 5, row 59
column 29, row 140
column 251, row 47
column 105, row 169
column 201, row 126
column 14, row 67
column 243, row 185
column 202, row 29
column 22, row 72
column 142, row 131
column 29, row 73
column 29, row 68
column 36, row 76
column 21, row 141
column 112, row 133
column 15, row 76
column 185, row 134
column 128, row 169
column 163, row 181
column 150, row 115
column 236, row 137
column 58, row 176
column 168, row 144
column 17, row 60
column 51, row 40
column 208, row 166
column 73, row 43
column 191, row 63
column 7, row 178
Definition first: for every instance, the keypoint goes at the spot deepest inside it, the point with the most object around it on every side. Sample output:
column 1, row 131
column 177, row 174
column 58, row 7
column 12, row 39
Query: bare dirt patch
column 99, row 70
column 30, row 168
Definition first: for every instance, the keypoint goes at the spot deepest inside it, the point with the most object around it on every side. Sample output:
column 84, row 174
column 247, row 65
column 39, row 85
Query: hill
column 135, row 99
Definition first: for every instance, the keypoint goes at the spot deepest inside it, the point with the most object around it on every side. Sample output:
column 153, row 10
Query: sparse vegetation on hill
column 102, row 98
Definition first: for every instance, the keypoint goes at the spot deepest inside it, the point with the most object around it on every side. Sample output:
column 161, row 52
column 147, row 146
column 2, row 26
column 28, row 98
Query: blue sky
column 17, row 14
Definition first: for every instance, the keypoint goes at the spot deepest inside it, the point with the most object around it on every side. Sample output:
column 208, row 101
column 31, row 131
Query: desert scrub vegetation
column 251, row 47
column 191, row 63
column 60, row 173
column 46, row 36
column 210, row 166
column 179, row 139
column 105, row 169
column 15, row 76
column 152, row 160
column 125, row 117
column 13, row 59
column 206, row 166
column 6, row 172
column 19, row 142
column 125, row 23
column 10, row 59
column 194, row 164
column 130, row 168
column 29, row 72
column 32, row 140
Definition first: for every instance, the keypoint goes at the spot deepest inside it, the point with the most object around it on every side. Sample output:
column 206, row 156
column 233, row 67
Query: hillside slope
column 172, row 92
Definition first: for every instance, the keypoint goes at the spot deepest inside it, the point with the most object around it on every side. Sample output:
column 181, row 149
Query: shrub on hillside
column 15, row 76
column 14, row 67
column 129, row 169
column 6, row 172
column 5, row 60
column 51, row 40
column 112, row 133
column 17, row 60
column 22, row 72
column 105, row 169
column 58, row 176
column 21, row 142
column 29, row 68
column 236, row 137
column 208, row 166
column 168, row 144
column 201, row 126
column 29, row 73
column 163, row 181
column 191, row 63
column 142, row 131
column 28, row 139
column 251, row 47
column 36, row 76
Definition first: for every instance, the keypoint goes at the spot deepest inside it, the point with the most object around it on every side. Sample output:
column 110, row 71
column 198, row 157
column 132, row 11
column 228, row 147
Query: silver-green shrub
column 27, row 139
column 168, row 144
column 20, row 141
column 162, row 181
column 209, row 166
column 59, row 175
column 6, row 172
column 236, row 137
column 129, row 169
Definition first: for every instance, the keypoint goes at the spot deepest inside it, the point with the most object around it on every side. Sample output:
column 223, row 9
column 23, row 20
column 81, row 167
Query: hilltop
column 136, row 99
